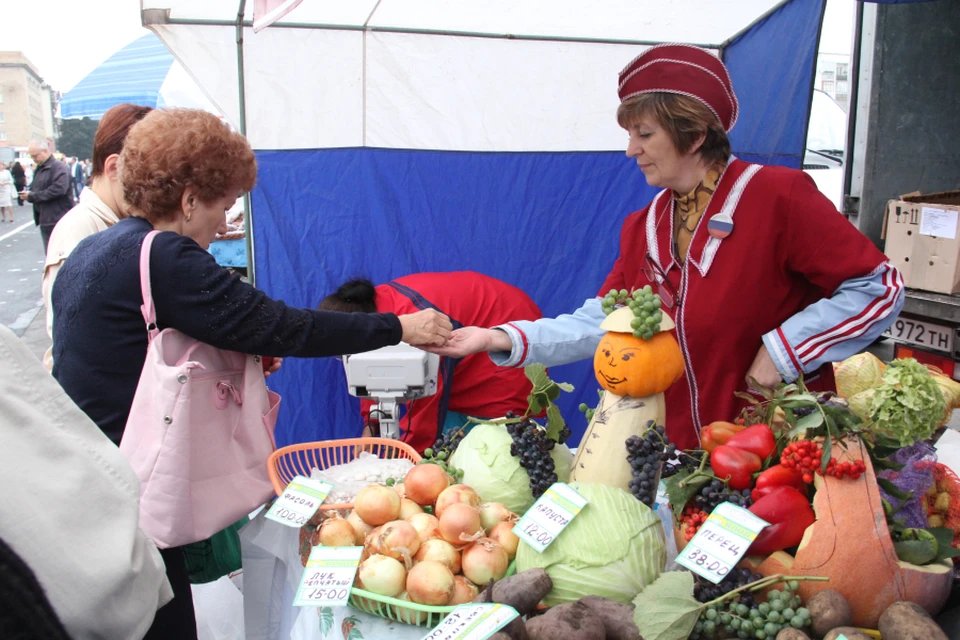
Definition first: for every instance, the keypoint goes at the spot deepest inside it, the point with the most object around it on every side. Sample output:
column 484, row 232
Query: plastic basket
column 299, row 459
column 403, row 610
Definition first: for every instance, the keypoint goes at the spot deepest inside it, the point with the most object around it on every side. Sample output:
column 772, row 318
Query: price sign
column 473, row 622
column 300, row 500
column 722, row 540
column 328, row 576
column 549, row 515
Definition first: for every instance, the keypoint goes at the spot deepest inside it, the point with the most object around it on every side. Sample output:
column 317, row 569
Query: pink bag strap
column 147, row 309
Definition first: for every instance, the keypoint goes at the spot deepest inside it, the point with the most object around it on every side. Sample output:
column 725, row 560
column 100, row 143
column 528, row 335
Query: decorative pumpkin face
column 629, row 366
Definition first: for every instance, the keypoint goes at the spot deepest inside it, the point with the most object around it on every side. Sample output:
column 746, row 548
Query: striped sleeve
column 837, row 327
column 553, row 341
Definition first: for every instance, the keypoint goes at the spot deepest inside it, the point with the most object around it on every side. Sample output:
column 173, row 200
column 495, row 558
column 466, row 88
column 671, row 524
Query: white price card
column 549, row 516
column 473, row 622
column 328, row 577
column 721, row 541
column 299, row 502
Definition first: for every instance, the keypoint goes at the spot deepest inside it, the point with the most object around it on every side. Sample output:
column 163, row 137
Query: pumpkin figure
column 634, row 372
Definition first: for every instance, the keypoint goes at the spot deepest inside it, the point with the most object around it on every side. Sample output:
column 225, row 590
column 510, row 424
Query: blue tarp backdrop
column 548, row 223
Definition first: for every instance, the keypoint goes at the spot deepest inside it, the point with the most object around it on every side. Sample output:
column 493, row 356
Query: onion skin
column 492, row 514
column 382, row 575
column 409, row 508
column 424, row 483
column 371, row 544
column 458, row 493
column 361, row 528
column 459, row 523
column 483, row 561
column 427, row 526
column 430, row 583
column 464, row 591
column 399, row 540
column 440, row 551
column 377, row 504
column 503, row 535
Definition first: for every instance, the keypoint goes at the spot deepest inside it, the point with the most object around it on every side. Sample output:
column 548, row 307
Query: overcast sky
column 67, row 39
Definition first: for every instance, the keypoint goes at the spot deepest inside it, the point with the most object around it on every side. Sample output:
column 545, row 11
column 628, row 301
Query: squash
column 850, row 544
column 634, row 374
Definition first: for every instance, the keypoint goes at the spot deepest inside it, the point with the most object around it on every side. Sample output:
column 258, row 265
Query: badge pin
column 720, row 226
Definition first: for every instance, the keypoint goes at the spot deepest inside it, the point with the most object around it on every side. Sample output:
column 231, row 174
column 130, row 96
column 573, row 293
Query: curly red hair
column 172, row 149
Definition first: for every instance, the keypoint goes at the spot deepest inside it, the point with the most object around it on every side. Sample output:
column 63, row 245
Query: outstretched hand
column 425, row 328
column 763, row 370
column 469, row 340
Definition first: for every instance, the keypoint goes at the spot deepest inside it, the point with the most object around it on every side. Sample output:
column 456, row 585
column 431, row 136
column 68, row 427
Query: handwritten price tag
column 473, row 622
column 328, row 577
column 722, row 540
column 300, row 500
column 549, row 516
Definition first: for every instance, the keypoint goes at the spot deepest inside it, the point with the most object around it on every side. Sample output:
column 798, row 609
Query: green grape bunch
column 645, row 305
column 763, row 621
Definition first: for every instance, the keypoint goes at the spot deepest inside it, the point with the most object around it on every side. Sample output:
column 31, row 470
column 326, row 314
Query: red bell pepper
column 789, row 513
column 717, row 433
column 757, row 439
column 735, row 465
column 778, row 476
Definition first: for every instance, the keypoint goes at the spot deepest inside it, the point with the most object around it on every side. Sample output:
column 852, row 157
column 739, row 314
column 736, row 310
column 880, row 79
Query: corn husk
column 858, row 373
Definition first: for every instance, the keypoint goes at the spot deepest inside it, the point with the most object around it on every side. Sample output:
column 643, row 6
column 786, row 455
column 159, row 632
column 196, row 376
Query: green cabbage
column 907, row 404
column 613, row 548
column 484, row 456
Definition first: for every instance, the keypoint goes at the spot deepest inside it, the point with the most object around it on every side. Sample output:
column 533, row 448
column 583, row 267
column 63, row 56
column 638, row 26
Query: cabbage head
column 613, row 548
column 484, row 457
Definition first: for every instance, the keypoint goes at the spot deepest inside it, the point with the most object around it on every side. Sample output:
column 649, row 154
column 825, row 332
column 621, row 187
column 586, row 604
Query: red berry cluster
column 691, row 520
column 804, row 456
column 840, row 469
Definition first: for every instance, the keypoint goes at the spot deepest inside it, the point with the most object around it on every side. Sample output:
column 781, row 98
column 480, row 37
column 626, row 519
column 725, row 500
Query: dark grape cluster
column 705, row 591
column 682, row 460
column 716, row 492
column 532, row 446
column 645, row 455
column 735, row 619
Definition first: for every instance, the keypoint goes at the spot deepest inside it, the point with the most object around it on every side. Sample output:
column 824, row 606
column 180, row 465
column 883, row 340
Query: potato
column 617, row 617
column 935, row 520
column 908, row 621
column 573, row 621
column 829, row 610
column 942, row 505
column 792, row 634
column 522, row 591
column 851, row 633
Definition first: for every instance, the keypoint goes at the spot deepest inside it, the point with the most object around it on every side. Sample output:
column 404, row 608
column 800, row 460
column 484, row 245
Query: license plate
column 923, row 334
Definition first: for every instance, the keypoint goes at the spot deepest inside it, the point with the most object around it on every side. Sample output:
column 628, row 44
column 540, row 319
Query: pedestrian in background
column 49, row 190
column 19, row 180
column 6, row 194
column 79, row 179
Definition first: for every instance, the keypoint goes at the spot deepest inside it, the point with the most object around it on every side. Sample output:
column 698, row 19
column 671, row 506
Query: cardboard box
column 922, row 233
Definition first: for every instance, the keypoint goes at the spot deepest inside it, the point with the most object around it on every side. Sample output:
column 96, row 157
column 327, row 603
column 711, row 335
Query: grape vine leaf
column 680, row 495
column 555, row 422
column 666, row 609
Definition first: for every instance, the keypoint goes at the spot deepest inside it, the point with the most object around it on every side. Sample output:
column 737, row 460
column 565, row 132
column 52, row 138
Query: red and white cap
column 686, row 70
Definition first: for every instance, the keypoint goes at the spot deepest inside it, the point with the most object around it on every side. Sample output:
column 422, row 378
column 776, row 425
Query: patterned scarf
column 689, row 208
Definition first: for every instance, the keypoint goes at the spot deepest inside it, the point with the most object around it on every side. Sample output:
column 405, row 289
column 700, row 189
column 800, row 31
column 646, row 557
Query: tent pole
column 813, row 79
column 851, row 205
column 248, row 222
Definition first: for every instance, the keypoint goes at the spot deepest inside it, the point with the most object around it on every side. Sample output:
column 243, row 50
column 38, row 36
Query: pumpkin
column 634, row 374
column 850, row 544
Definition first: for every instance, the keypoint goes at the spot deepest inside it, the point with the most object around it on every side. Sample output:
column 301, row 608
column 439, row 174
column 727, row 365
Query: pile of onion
column 483, row 561
column 460, row 524
column 382, row 575
column 377, row 504
column 431, row 583
column 424, row 483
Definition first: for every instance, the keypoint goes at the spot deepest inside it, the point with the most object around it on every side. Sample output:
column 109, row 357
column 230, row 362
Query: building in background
column 833, row 77
column 27, row 104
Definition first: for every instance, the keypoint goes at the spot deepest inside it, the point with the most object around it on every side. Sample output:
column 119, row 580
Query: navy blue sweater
column 100, row 339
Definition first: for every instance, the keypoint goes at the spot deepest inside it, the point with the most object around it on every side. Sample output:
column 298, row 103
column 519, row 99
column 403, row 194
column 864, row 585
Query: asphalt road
column 21, row 270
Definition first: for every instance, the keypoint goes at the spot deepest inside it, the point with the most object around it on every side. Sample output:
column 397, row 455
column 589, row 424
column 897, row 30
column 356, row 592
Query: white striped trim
column 653, row 245
column 688, row 369
column 729, row 207
column 785, row 364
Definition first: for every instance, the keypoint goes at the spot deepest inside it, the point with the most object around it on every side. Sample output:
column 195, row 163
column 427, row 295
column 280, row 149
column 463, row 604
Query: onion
column 493, row 513
column 484, row 560
column 503, row 535
column 427, row 526
column 337, row 532
column 399, row 540
column 371, row 543
column 377, row 504
column 400, row 490
column 458, row 493
column 459, row 524
column 361, row 528
column 464, row 591
column 408, row 508
column 430, row 583
column 408, row 615
column 440, row 551
column 424, row 483
column 382, row 575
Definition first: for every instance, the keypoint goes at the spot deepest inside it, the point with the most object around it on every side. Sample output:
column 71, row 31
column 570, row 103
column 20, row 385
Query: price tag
column 722, row 540
column 473, row 622
column 300, row 500
column 328, row 576
column 549, row 515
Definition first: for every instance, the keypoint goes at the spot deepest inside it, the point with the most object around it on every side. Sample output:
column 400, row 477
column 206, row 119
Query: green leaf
column 916, row 546
column 827, row 448
column 679, row 495
column 552, row 391
column 800, row 399
column 881, row 464
column 566, row 386
column 891, row 490
column 811, row 421
column 945, row 548
column 666, row 609
column 555, row 422
column 326, row 620
column 537, row 374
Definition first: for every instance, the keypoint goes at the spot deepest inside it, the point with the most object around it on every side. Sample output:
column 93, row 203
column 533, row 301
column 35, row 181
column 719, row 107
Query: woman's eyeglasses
column 655, row 275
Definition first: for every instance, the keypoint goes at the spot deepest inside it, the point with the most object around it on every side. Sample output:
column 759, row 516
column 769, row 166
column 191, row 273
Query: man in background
column 79, row 179
column 49, row 191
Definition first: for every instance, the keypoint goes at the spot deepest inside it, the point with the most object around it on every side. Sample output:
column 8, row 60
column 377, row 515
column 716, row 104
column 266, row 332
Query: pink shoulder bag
column 199, row 432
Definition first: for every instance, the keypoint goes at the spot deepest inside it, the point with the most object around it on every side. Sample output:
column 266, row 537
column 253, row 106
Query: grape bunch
column 705, row 591
column 716, row 493
column 645, row 305
column 532, row 446
column 736, row 619
column 439, row 454
column 645, row 455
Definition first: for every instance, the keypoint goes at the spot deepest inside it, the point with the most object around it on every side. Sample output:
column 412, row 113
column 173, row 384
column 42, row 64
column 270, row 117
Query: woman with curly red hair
column 181, row 169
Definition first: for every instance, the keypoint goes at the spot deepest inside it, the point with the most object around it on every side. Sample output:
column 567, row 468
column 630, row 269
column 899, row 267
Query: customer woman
column 764, row 278
column 19, row 180
column 100, row 207
column 181, row 170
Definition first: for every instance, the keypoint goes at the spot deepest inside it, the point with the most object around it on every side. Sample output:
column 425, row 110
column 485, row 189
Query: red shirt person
column 479, row 387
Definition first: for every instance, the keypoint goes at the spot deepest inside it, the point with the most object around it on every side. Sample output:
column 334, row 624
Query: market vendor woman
column 764, row 278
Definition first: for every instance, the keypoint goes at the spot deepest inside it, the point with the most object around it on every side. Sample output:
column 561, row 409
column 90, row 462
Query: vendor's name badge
column 299, row 501
column 473, row 622
column 549, row 516
column 328, row 577
column 722, row 540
